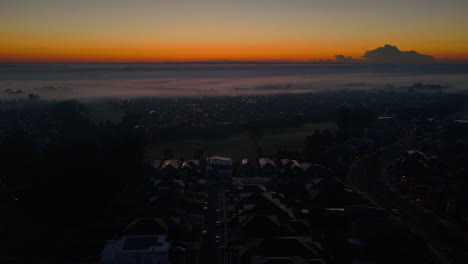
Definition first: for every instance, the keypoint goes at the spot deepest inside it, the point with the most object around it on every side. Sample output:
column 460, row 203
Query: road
column 209, row 251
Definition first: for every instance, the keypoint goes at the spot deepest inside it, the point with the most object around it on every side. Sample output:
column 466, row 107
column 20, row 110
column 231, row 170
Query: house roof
column 295, row 165
column 285, row 247
column 169, row 184
column 156, row 164
column 416, row 154
column 261, row 203
column 316, row 169
column 220, row 161
column 285, row 162
column 146, row 226
column 167, row 199
column 220, row 158
column 251, row 188
column 143, row 242
column 170, row 163
column 266, row 162
column 261, row 226
column 190, row 164
column 284, row 260
column 248, row 162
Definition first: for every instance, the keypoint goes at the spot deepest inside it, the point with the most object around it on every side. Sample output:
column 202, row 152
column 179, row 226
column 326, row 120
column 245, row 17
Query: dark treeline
column 65, row 178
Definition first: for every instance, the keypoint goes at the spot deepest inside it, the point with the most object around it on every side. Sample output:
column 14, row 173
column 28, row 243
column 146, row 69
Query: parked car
column 180, row 250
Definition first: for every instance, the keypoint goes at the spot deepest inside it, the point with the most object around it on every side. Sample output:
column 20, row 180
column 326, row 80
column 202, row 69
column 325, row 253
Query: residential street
column 209, row 249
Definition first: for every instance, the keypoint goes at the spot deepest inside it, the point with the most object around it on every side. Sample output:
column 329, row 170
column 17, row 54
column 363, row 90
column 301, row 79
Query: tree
column 198, row 154
column 167, row 154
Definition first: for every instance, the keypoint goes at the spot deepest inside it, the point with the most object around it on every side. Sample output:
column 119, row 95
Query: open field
column 241, row 146
column 103, row 111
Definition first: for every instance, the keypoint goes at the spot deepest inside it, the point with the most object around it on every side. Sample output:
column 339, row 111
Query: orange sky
column 206, row 30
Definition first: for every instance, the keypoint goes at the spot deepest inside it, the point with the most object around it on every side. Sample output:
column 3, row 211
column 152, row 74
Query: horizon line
column 292, row 61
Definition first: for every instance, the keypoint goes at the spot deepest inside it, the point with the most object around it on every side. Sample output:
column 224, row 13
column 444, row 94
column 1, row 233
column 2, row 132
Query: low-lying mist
column 87, row 81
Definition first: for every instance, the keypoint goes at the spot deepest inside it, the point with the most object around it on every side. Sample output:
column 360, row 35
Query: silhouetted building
column 136, row 250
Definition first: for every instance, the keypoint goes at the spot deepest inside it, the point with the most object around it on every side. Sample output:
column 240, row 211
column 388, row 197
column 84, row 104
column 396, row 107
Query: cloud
column 389, row 54
column 344, row 59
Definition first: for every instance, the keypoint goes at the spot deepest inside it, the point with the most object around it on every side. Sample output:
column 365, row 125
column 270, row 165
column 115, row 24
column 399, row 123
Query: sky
column 212, row 30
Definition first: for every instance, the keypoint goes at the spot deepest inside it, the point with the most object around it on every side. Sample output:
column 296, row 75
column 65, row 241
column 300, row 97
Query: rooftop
column 143, row 242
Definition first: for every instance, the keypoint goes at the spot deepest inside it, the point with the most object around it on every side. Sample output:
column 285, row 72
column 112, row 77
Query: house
column 315, row 170
column 291, row 171
column 248, row 168
column 219, row 168
column 191, row 169
column 156, row 164
column 382, row 240
column 250, row 181
column 281, row 250
column 332, row 193
column 263, row 203
column 268, row 167
column 291, row 166
column 284, row 260
column 169, row 169
column 167, row 203
column 250, row 188
column 169, row 226
column 261, row 226
column 136, row 250
column 169, row 184
column 296, row 194
column 249, row 227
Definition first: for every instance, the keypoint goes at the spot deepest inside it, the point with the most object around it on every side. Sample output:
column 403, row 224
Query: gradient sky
column 192, row 30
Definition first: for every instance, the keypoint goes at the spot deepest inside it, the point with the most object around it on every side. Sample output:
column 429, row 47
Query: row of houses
column 318, row 221
column 264, row 229
column 164, row 219
column 272, row 167
column 225, row 168
column 177, row 168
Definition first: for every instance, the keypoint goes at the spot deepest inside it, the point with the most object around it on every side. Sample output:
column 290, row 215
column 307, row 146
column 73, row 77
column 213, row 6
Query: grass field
column 102, row 111
column 241, row 146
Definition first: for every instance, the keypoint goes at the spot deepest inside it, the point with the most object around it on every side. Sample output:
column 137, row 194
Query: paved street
column 209, row 251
